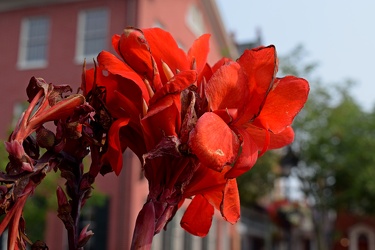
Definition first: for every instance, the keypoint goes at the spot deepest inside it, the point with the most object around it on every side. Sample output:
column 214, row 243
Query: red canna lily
column 195, row 128
column 131, row 83
column 252, row 111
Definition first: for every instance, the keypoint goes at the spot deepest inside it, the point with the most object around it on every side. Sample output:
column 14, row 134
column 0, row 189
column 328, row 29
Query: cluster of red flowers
column 194, row 127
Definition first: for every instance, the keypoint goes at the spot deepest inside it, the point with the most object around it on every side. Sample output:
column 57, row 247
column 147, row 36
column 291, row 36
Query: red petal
column 165, row 48
column 118, row 67
column 208, row 182
column 276, row 140
column 114, row 151
column 176, row 84
column 259, row 65
column 213, row 142
column 162, row 119
column 199, row 51
column 227, row 88
column 283, row 103
column 221, row 193
column 281, row 139
column 228, row 115
column 131, row 108
column 135, row 51
column 205, row 74
column 223, row 61
column 115, row 43
column 230, row 206
column 87, row 81
column 197, row 219
column 116, row 85
column 247, row 157
column 132, row 137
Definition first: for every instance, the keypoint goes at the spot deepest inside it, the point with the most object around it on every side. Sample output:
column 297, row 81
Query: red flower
column 195, row 128
column 252, row 111
column 140, row 79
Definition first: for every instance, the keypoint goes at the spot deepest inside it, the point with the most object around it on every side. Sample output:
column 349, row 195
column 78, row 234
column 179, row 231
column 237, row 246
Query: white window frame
column 194, row 20
column 23, row 62
column 356, row 231
column 81, row 32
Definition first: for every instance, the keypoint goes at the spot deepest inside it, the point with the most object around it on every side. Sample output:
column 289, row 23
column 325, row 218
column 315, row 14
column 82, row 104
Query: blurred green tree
column 335, row 138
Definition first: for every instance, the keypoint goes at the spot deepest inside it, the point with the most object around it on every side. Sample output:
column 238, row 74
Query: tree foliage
column 335, row 139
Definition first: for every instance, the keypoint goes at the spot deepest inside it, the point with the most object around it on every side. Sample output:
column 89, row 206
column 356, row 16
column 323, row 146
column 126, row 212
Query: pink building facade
column 51, row 39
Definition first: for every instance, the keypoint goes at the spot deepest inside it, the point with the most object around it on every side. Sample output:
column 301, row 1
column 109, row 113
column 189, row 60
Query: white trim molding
column 356, row 231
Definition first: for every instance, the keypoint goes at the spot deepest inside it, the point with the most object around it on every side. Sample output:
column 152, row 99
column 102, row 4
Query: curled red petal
column 213, row 142
column 114, row 151
column 115, row 66
column 230, row 206
column 116, row 86
column 197, row 218
column 135, row 51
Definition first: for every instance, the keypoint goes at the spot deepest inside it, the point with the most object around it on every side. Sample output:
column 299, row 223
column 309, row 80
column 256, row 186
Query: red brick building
column 51, row 38
column 354, row 232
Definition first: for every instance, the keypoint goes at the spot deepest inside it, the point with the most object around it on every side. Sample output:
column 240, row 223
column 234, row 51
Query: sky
column 338, row 35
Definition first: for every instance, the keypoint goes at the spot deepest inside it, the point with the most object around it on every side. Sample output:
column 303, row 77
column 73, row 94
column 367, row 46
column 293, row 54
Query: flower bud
column 15, row 149
column 45, row 138
column 84, row 236
column 61, row 197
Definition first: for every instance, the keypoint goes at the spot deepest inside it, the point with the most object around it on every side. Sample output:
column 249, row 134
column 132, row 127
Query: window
column 34, row 42
column 194, row 20
column 92, row 34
